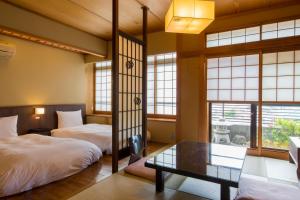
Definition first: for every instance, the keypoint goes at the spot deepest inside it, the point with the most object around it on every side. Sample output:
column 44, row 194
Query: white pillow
column 8, row 126
column 69, row 119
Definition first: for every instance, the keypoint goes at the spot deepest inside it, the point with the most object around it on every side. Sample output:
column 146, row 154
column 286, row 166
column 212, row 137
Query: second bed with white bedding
column 99, row 134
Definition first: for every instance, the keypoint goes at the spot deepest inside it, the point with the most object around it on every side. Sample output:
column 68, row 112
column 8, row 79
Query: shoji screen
column 161, row 83
column 239, row 36
column 103, row 86
column 281, row 29
column 281, row 76
column 130, row 89
column 233, row 78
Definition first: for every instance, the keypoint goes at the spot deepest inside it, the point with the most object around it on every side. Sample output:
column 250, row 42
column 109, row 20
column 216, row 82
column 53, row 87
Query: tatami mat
column 127, row 187
column 119, row 187
column 196, row 187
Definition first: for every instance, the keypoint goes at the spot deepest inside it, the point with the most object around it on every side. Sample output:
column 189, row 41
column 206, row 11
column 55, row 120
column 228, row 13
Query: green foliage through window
column 278, row 135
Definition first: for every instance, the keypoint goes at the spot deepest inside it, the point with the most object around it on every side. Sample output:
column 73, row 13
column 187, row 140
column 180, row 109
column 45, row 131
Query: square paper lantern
column 189, row 16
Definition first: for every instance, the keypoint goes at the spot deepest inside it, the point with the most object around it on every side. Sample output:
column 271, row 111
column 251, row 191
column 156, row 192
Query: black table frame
column 225, row 184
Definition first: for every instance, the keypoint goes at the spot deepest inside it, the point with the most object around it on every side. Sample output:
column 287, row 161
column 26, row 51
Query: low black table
column 216, row 163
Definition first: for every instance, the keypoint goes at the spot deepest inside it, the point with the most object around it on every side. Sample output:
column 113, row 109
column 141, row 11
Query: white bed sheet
column 99, row 134
column 33, row 160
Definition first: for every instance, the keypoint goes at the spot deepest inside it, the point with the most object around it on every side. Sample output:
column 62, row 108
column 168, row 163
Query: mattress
column 33, row 160
column 99, row 134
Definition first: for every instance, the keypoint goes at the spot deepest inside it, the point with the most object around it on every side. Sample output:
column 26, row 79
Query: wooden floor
column 72, row 185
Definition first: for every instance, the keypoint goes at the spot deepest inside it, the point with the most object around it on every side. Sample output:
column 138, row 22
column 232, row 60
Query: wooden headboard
column 27, row 120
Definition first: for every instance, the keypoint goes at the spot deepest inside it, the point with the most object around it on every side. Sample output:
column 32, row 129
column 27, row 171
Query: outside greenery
column 230, row 113
column 279, row 123
column 278, row 135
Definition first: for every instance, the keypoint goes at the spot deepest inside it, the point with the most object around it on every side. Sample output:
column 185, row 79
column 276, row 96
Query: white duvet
column 33, row 160
column 99, row 134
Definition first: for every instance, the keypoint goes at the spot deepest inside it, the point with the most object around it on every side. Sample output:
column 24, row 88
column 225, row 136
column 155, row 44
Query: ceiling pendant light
column 189, row 16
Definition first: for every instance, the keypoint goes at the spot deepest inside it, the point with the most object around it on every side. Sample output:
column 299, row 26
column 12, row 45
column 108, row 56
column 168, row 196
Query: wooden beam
column 21, row 20
column 46, row 41
column 144, row 88
column 115, row 86
column 260, row 103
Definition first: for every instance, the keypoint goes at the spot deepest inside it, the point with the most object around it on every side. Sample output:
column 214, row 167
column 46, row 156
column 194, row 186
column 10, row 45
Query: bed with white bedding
column 33, row 160
column 99, row 134
column 70, row 125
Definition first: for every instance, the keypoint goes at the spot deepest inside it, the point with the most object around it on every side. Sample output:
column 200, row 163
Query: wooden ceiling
column 95, row 16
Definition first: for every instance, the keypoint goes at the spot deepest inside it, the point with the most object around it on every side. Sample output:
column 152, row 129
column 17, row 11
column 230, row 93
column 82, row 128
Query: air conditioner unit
column 7, row 50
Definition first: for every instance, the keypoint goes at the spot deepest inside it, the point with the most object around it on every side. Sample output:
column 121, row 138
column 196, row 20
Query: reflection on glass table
column 217, row 163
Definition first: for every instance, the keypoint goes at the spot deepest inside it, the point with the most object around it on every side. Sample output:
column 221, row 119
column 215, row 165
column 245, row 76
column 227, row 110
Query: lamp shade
column 189, row 16
column 39, row 111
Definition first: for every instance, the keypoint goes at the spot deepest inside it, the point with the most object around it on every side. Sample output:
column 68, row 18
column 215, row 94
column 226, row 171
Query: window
column 281, row 85
column 240, row 86
column 232, row 124
column 252, row 34
column 161, row 91
column 281, row 29
column 236, row 124
column 103, row 86
column 279, row 123
column 281, row 76
column 238, row 36
column 233, row 78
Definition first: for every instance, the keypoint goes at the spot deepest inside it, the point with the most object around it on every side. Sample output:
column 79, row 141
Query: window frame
column 263, row 46
column 283, row 104
column 277, row 51
column 150, row 116
column 231, row 77
column 94, row 91
column 253, row 121
column 155, row 115
column 252, row 25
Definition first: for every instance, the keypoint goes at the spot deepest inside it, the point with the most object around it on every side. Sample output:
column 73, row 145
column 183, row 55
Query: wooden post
column 115, row 86
column 144, row 89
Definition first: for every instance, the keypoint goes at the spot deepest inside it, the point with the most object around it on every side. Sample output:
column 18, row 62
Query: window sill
column 274, row 150
column 161, row 119
column 268, row 152
column 98, row 115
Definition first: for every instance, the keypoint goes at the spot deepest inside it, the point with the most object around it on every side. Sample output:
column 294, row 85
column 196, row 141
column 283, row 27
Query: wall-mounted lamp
column 38, row 112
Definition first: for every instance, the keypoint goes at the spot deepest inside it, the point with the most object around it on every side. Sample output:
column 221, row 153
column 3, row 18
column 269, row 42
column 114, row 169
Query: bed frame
column 27, row 120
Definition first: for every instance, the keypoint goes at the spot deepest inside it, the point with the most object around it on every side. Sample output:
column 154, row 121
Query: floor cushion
column 257, row 188
column 138, row 169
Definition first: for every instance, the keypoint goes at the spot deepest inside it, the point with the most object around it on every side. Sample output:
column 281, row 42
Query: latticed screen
column 130, row 89
column 103, row 86
column 281, row 76
column 238, row 36
column 233, row 78
column 161, row 96
column 281, row 29
column 264, row 32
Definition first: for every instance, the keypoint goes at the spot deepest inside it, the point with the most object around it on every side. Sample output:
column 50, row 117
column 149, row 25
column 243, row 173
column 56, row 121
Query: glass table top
column 220, row 162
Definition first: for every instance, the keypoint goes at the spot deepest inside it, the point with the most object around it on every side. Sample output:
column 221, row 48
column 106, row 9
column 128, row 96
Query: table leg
column 291, row 159
column 225, row 192
column 160, row 181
